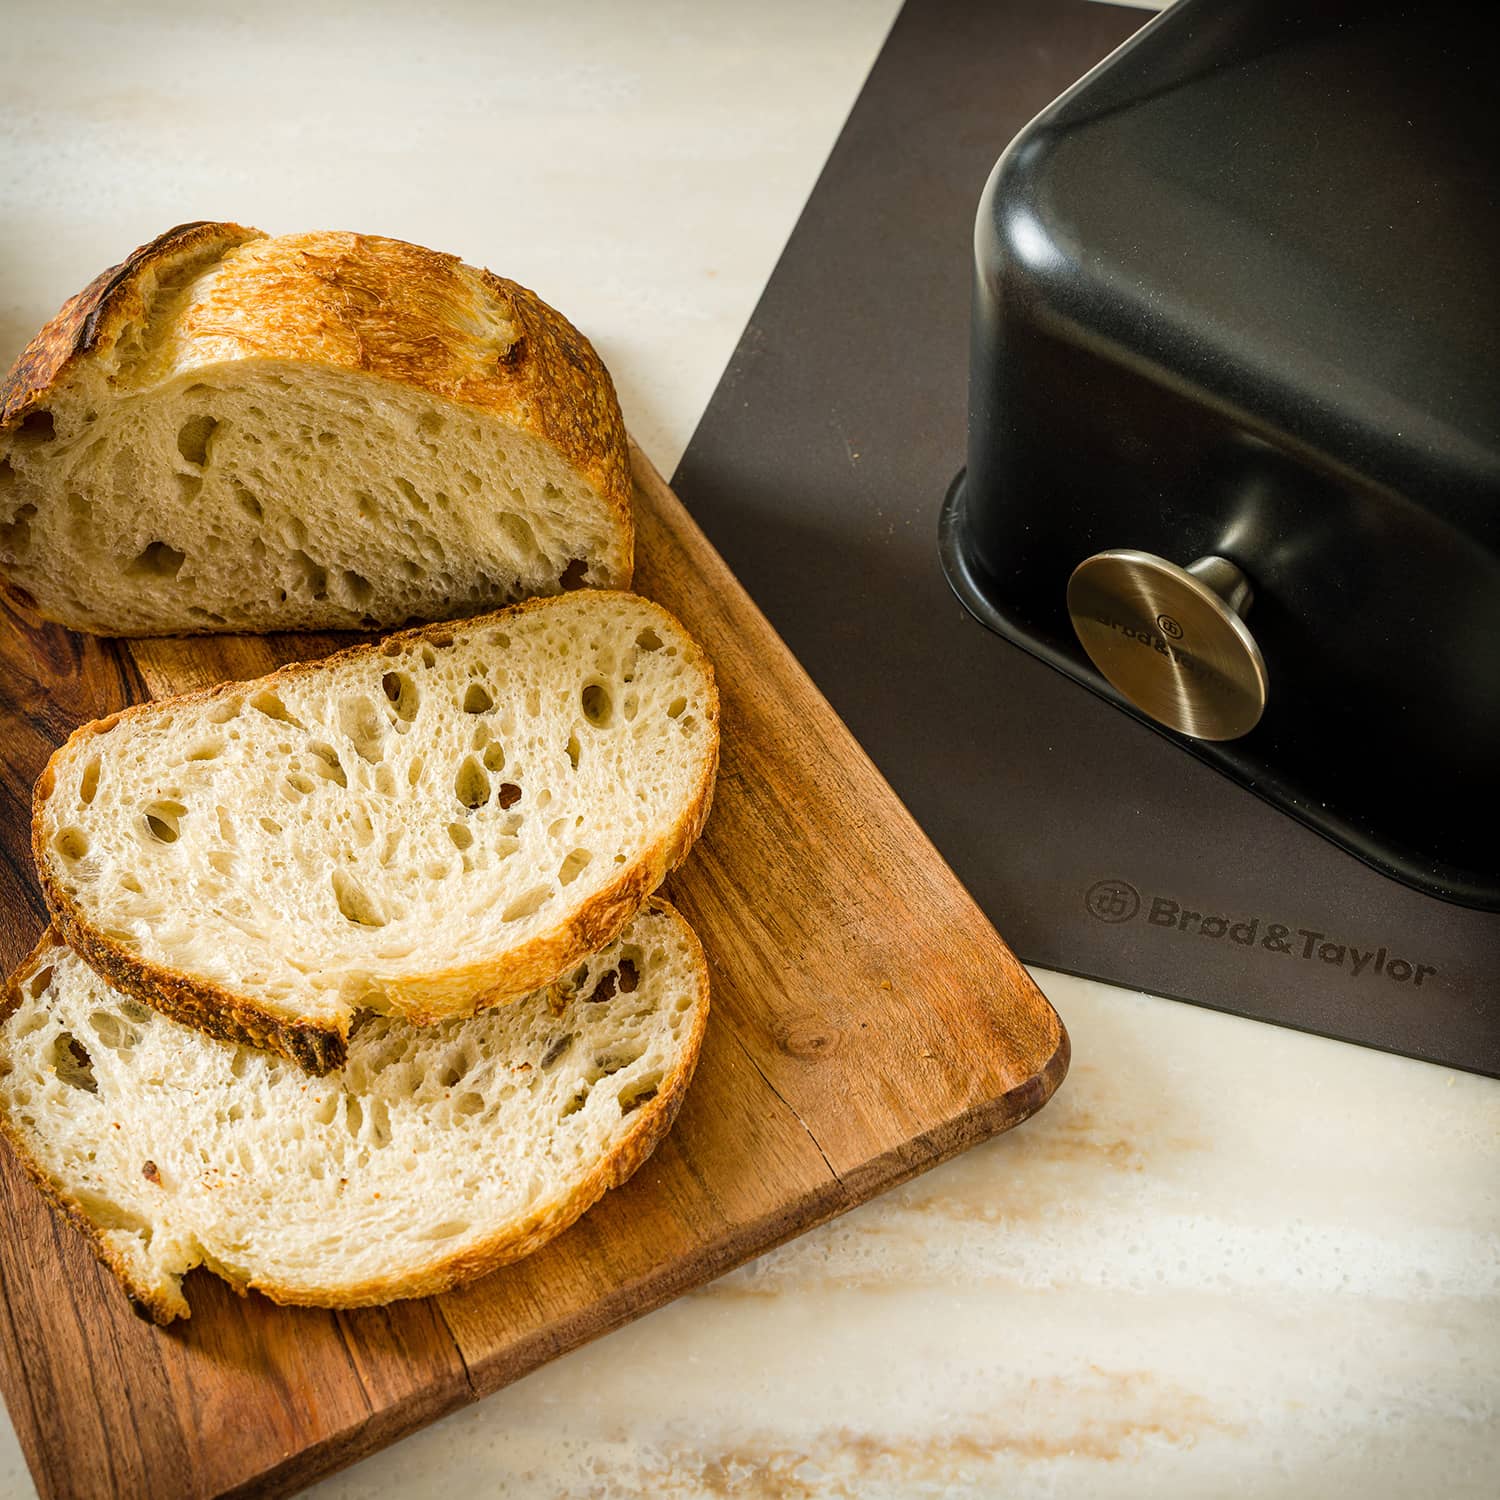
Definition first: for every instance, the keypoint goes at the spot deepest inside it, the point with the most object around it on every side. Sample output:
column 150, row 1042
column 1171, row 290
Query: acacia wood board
column 867, row 1023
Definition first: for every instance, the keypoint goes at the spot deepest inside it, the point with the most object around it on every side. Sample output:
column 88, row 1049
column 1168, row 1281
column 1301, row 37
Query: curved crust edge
column 210, row 1007
column 95, row 315
column 511, row 1244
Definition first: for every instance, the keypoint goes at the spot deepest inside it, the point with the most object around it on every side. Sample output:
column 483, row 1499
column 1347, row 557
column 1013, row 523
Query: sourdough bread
column 424, row 826
column 431, row 1157
column 232, row 432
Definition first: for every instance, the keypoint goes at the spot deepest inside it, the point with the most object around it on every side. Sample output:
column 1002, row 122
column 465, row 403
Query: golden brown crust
column 210, row 1007
column 382, row 307
column 653, row 1120
column 94, row 317
column 361, row 303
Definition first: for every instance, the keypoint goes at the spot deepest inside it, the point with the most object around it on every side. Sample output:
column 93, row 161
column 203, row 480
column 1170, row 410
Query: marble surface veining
column 1226, row 1260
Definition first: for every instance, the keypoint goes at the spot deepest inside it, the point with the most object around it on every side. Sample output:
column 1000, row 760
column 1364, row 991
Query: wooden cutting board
column 867, row 1023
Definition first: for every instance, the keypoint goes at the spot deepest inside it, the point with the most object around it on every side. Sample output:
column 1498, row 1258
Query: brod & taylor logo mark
column 1117, row 901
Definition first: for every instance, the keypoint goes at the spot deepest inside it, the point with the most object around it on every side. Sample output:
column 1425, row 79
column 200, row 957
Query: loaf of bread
column 424, row 826
column 431, row 1157
column 232, row 432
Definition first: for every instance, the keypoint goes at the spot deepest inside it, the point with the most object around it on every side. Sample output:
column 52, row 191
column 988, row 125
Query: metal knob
column 1172, row 640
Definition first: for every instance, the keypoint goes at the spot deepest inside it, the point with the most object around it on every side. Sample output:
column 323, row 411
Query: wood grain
column 867, row 1023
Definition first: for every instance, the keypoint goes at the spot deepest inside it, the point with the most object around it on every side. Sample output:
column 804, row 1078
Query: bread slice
column 231, row 432
column 433, row 1156
column 424, row 826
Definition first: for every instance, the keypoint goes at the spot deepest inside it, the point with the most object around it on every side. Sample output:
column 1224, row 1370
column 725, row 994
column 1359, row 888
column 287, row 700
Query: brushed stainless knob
column 1172, row 640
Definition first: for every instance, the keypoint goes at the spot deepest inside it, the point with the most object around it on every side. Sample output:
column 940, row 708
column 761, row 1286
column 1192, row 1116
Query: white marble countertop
column 1226, row 1259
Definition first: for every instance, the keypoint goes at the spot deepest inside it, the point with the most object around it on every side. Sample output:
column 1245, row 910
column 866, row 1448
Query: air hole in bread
column 193, row 438
column 8, row 474
column 88, row 783
column 71, row 843
column 364, row 503
column 604, row 987
column 162, row 821
column 574, row 750
column 354, row 902
column 509, row 793
column 380, row 1124
column 365, row 727
column 403, row 693
column 270, row 825
column 156, row 560
column 224, row 711
column 631, row 1102
column 414, row 770
column 575, row 575
column 208, row 750
column 675, row 708
column 630, row 977
column 521, row 534
column 409, row 491
column 269, row 703
column 472, row 785
column 598, row 706
column 327, row 764
column 188, row 486
column 556, row 1049
column 247, row 501
column 447, row 1230
column 326, row 439
column 468, row 1103
column 431, row 423
column 221, row 861
column 357, row 586
column 648, row 640
column 313, row 575
column 576, row 1103
column 354, row 1115
column 616, row 1062
column 573, row 866
column 37, row 426
column 36, row 986
column 130, row 882
column 461, row 836
column 477, row 700
column 72, row 1063
column 527, row 904
column 299, row 782
column 112, row 1032
column 15, row 534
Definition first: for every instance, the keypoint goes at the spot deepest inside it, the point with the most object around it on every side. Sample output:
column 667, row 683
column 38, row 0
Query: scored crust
column 93, row 319
column 650, row 1124
column 352, row 302
column 208, row 1006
